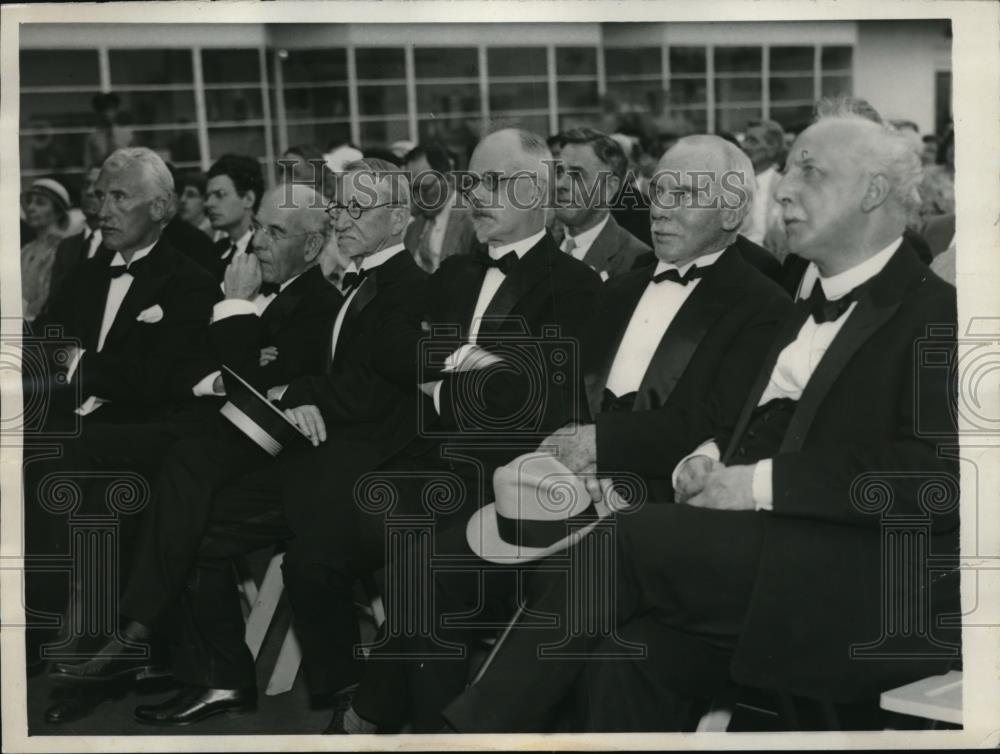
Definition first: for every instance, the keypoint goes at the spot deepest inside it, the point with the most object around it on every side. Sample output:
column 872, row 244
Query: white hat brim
column 484, row 539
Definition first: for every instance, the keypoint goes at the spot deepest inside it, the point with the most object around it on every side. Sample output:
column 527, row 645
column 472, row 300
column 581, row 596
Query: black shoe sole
column 227, row 711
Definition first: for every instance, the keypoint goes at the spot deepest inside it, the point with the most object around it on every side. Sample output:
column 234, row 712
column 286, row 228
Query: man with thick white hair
column 770, row 571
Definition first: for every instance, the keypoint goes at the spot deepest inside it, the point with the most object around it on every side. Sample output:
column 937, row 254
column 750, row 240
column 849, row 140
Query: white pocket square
column 151, row 315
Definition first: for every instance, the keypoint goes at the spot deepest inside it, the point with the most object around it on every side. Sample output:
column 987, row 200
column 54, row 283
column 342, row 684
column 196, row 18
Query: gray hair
column 383, row 171
column 156, row 178
column 735, row 164
column 889, row 152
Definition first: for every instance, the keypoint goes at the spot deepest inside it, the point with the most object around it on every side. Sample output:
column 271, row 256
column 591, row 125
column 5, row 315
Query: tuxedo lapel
column 530, row 270
column 702, row 308
column 464, row 287
column 94, row 299
column 613, row 323
column 285, row 301
column 604, row 248
column 142, row 293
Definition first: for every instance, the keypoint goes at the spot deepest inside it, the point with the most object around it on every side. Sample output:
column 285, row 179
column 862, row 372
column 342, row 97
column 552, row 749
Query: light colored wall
column 895, row 66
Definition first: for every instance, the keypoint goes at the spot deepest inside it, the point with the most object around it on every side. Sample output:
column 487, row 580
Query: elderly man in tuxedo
column 218, row 497
column 664, row 342
column 770, row 570
column 128, row 319
column 590, row 173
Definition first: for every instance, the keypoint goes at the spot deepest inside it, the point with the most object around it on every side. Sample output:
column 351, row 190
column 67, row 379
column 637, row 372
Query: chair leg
column 286, row 667
column 264, row 606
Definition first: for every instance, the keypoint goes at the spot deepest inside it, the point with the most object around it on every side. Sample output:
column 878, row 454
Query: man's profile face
column 129, row 218
column 505, row 199
column 757, row 148
column 279, row 243
column 822, row 188
column 582, row 189
column 359, row 237
column 223, row 204
column 685, row 216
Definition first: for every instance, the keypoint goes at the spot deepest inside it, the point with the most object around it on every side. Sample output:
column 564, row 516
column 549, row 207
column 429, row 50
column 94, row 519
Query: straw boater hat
column 256, row 416
column 541, row 508
column 55, row 191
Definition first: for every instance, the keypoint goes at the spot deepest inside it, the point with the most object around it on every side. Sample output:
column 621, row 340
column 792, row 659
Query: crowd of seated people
column 659, row 438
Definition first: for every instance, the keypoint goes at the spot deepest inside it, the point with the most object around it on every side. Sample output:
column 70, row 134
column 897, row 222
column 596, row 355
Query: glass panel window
column 62, row 110
column 447, row 98
column 150, row 67
column 229, row 66
column 538, row 124
column 446, row 62
column 176, row 146
column 383, row 132
column 52, row 152
column 688, row 91
column 835, row 86
column 797, row 59
column 578, row 120
column 737, row 90
column 576, row 61
column 645, row 94
column 382, row 100
column 517, row 61
column 789, row 87
column 158, row 108
column 60, row 68
column 735, row 119
column 459, row 135
column 690, row 121
column 687, row 60
column 793, row 119
column 233, row 104
column 836, row 58
column 380, row 63
column 304, row 66
column 322, row 135
column 578, row 94
column 738, row 59
column 237, row 140
column 632, row 61
column 527, row 96
column 317, row 102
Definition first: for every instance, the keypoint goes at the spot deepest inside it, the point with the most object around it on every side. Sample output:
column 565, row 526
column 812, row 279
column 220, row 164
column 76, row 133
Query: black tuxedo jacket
column 370, row 387
column 870, row 448
column 297, row 322
column 533, row 323
column 70, row 254
column 193, row 243
column 699, row 374
column 143, row 365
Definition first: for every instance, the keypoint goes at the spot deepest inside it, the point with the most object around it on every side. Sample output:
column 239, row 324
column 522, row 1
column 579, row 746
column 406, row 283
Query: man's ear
column 613, row 186
column 399, row 216
column 732, row 219
column 313, row 248
column 877, row 192
column 159, row 208
column 249, row 199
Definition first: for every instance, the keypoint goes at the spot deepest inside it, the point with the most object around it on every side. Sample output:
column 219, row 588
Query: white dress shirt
column 491, row 284
column 651, row 317
column 232, row 307
column 93, row 241
column 242, row 243
column 117, row 290
column 799, row 359
column 584, row 240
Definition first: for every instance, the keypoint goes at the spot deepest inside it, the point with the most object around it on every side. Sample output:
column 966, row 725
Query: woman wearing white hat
column 46, row 209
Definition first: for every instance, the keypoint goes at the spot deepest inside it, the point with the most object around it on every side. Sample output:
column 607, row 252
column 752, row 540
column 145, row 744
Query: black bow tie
column 353, row 280
column 269, row 289
column 671, row 274
column 824, row 310
column 225, row 248
column 505, row 263
column 117, row 270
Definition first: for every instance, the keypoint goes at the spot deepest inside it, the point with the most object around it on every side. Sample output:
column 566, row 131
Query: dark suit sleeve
column 526, row 389
column 651, row 443
column 160, row 370
column 835, row 482
column 359, row 393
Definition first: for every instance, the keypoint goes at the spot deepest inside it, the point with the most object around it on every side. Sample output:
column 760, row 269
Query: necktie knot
column 505, row 263
column 824, row 310
column 353, row 280
column 674, row 276
column 569, row 244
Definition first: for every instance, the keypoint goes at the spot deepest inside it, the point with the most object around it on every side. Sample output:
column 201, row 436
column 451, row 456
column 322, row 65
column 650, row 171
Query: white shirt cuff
column 276, row 393
column 761, row 488
column 708, row 448
column 232, row 307
column 74, row 364
column 437, row 396
column 206, row 385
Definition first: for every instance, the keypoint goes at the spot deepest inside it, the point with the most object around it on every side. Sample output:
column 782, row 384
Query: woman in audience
column 192, row 202
column 46, row 209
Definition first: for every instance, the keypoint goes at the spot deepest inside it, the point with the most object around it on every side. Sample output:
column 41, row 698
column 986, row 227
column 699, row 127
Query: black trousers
column 632, row 625
column 94, row 487
column 332, row 533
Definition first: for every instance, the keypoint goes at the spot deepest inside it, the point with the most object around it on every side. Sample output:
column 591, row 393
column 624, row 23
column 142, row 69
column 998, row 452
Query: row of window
column 196, row 104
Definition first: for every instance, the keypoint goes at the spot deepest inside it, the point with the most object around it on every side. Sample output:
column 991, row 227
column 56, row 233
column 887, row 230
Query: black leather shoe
column 72, row 708
column 195, row 704
column 341, row 704
column 110, row 664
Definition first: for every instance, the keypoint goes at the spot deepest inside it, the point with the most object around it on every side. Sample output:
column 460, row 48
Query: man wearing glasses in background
column 361, row 391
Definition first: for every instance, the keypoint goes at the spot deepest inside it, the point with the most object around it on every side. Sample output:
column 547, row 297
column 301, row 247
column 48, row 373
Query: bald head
column 509, row 198
column 292, row 227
